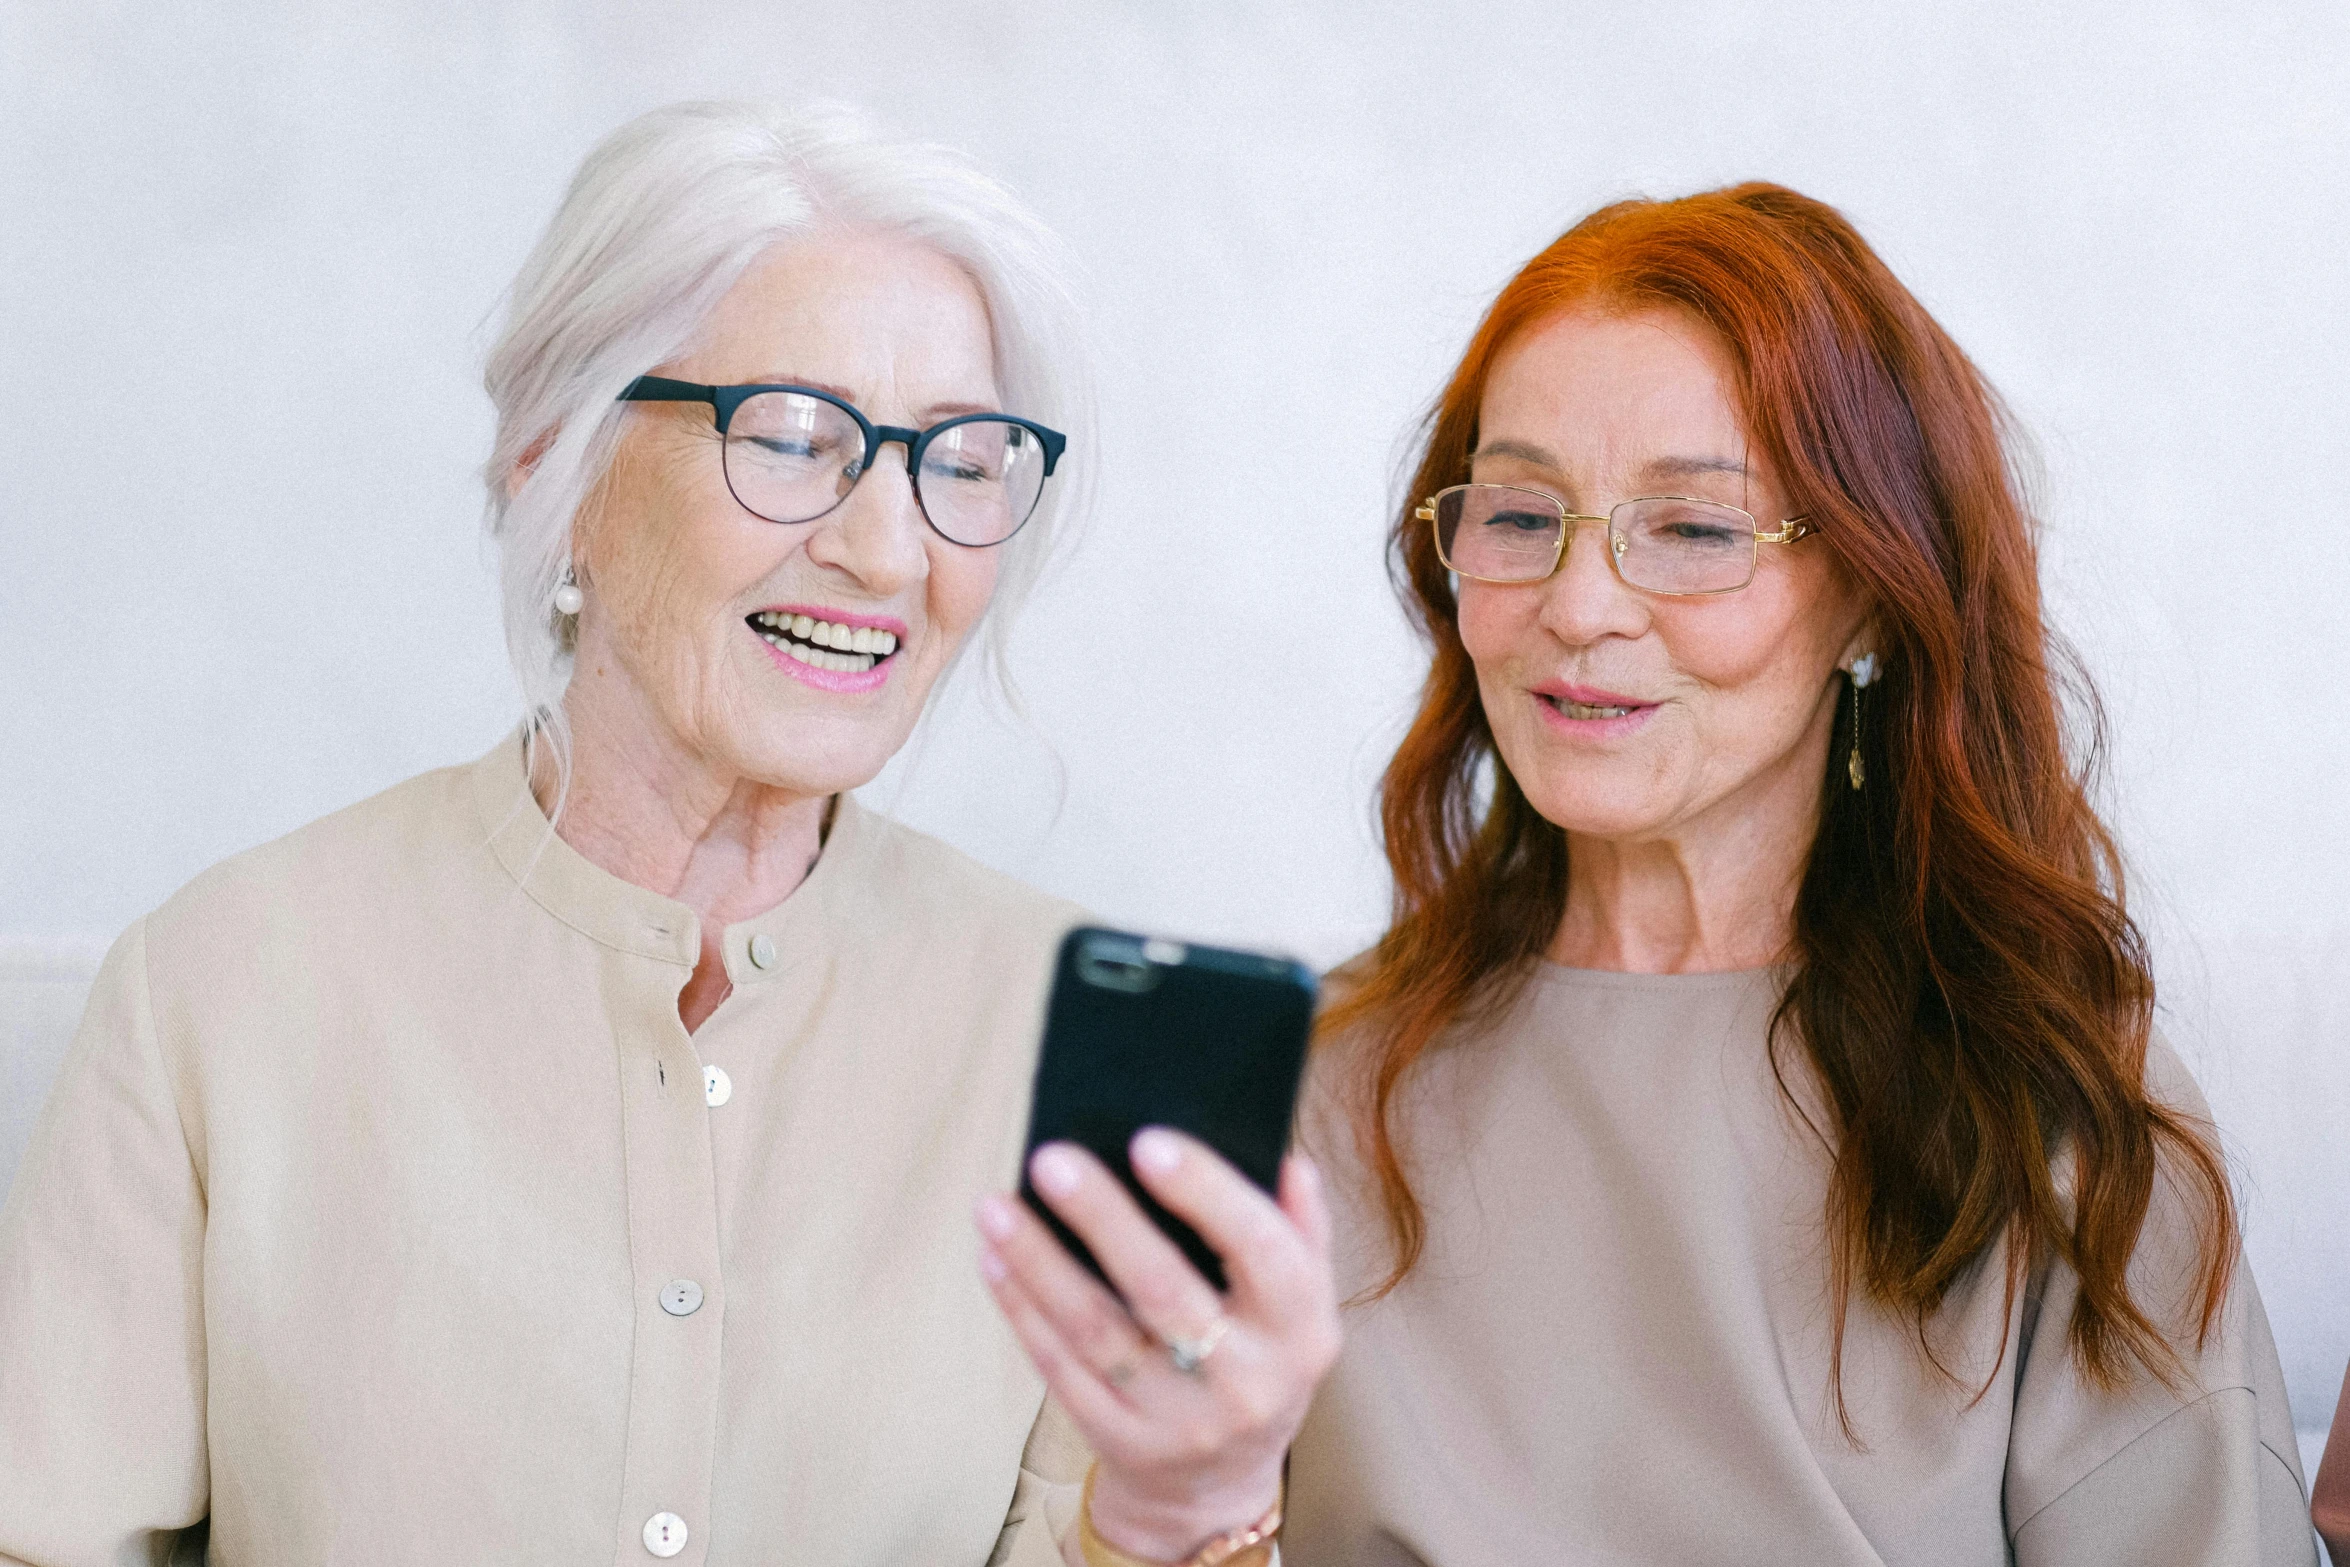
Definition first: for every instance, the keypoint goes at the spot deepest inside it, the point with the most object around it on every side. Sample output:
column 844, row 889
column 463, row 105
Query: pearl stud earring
column 568, row 598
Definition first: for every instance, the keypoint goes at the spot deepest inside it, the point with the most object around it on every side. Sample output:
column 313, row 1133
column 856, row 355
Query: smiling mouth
column 1581, row 710
column 825, row 644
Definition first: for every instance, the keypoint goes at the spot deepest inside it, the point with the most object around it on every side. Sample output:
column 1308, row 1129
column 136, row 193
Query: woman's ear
column 1861, row 659
column 519, row 474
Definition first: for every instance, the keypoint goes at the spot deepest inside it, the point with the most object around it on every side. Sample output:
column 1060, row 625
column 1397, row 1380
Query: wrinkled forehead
column 1619, row 401
column 879, row 318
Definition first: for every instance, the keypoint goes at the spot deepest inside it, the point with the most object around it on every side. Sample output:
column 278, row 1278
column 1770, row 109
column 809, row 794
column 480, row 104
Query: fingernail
column 1055, row 1171
column 991, row 1266
column 1156, row 1150
column 995, row 1218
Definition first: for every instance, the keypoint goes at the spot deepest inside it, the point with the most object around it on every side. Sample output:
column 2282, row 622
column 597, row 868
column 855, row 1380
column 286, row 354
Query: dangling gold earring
column 1863, row 672
column 1853, row 764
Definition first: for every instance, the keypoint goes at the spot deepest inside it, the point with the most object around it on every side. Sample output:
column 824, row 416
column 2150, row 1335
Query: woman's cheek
column 1489, row 623
column 961, row 587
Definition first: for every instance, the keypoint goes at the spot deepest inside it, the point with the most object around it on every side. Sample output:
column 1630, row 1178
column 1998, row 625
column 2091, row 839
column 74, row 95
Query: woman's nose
column 878, row 535
column 1585, row 599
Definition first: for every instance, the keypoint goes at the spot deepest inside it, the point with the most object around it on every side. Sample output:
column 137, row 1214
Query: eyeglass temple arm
column 660, row 389
column 1053, row 442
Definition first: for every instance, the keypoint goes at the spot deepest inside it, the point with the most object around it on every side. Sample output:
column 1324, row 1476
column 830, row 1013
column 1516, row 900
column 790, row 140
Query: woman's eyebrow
column 1691, row 467
column 1524, row 451
column 778, row 378
column 1659, row 468
column 930, row 415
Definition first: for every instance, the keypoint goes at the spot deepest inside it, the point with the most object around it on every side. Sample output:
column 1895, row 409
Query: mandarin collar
column 633, row 919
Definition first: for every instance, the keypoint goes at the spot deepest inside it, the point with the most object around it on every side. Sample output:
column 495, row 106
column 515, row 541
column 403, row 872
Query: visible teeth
column 834, row 645
column 1578, row 710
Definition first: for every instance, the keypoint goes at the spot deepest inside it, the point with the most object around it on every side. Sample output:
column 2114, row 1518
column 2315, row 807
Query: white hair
column 661, row 220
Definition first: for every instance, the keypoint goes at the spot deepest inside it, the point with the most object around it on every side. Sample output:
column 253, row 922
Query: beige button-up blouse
column 384, row 1211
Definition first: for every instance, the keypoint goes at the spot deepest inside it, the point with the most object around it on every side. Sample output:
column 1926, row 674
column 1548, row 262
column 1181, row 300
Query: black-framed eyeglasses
column 792, row 453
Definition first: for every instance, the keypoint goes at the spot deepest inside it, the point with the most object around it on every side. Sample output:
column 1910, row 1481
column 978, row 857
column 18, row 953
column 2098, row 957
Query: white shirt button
column 681, row 1298
column 717, row 1087
column 763, row 950
column 664, row 1534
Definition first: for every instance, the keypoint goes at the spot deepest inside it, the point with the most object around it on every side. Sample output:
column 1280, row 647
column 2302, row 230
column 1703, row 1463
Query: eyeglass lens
column 1500, row 533
column 792, row 458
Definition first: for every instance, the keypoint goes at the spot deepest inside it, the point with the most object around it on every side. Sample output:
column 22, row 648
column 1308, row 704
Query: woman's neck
column 1711, row 895
column 1657, row 908
column 648, row 810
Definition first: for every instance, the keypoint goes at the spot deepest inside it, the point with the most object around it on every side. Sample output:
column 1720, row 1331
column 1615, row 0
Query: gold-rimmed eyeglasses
column 1673, row 544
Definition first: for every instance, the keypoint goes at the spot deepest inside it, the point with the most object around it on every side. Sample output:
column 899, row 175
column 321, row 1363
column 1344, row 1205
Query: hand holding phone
column 1146, row 1032
column 1186, row 1362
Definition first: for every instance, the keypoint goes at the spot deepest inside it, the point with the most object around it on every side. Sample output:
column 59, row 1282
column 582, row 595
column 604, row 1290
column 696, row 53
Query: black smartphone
column 1141, row 1031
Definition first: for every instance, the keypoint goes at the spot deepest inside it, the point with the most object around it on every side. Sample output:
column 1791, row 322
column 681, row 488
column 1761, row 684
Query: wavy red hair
column 1966, row 986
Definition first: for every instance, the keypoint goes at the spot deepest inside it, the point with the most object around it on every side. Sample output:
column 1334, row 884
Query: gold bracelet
column 1249, row 1547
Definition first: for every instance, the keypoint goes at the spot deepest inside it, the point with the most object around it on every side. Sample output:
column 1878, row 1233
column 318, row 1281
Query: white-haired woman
column 573, row 1155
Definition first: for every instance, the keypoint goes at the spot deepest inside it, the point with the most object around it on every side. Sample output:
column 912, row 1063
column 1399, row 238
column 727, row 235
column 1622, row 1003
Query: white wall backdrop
column 247, row 254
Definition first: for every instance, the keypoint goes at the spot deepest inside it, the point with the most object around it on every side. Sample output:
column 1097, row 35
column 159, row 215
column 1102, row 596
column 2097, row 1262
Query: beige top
column 1617, row 1346
column 385, row 1211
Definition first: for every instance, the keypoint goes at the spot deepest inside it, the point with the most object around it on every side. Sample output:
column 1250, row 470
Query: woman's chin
column 798, row 748
column 819, row 731
column 1587, row 808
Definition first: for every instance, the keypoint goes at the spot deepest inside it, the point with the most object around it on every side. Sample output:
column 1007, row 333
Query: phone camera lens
column 1116, row 963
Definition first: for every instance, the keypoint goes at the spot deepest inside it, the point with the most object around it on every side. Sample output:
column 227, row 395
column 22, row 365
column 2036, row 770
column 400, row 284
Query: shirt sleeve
column 102, row 1448
column 1045, row 1501
column 2201, row 1487
column 2203, row 1474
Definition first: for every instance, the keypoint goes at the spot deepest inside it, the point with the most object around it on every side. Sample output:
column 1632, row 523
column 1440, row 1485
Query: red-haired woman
column 1748, row 1136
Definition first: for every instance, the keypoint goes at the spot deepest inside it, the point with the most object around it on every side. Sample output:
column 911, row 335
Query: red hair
column 1970, row 994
